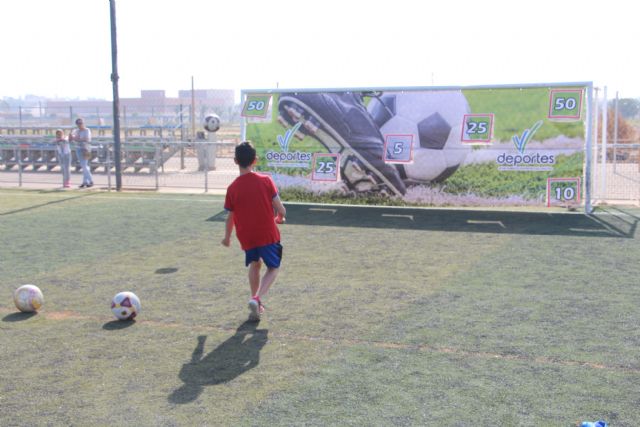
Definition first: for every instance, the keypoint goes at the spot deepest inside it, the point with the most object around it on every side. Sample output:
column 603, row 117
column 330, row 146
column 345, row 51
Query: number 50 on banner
column 256, row 106
column 565, row 104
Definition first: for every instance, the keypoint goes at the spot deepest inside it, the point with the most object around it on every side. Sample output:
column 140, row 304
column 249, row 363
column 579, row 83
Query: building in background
column 152, row 108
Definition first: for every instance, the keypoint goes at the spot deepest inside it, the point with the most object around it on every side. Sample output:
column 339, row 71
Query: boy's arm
column 280, row 209
column 228, row 228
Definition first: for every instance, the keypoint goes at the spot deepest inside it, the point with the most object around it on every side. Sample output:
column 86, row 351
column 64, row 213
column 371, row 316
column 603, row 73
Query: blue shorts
column 270, row 254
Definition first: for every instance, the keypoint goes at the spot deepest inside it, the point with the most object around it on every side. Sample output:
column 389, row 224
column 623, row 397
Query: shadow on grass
column 607, row 222
column 116, row 325
column 167, row 270
column 41, row 205
column 233, row 357
column 18, row 316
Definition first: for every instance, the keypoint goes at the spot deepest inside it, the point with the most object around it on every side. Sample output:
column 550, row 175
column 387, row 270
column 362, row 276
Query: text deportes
column 294, row 156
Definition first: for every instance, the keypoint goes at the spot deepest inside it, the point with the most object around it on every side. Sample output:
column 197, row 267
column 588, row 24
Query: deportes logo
column 523, row 160
column 284, row 158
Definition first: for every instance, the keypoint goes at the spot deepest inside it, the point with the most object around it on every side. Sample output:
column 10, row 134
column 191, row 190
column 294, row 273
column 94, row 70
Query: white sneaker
column 254, row 310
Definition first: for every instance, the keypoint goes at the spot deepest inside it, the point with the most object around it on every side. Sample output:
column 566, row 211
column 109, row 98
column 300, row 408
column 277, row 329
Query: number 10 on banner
column 563, row 191
column 326, row 167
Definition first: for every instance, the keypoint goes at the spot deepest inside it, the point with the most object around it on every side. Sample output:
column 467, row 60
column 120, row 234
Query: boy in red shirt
column 251, row 199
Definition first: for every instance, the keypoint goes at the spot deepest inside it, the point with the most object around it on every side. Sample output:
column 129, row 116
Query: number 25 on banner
column 563, row 191
column 565, row 104
column 477, row 128
column 326, row 167
column 256, row 106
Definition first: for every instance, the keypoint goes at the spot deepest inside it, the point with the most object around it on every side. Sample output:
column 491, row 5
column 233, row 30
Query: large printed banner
column 458, row 147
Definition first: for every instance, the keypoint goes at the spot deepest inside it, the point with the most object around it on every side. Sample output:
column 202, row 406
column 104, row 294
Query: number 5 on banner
column 563, row 191
column 256, row 106
column 398, row 148
column 326, row 167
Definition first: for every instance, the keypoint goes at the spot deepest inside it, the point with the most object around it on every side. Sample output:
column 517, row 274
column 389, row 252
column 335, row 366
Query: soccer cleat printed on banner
column 340, row 121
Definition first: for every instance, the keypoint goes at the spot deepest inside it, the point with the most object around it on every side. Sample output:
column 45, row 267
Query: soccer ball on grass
column 125, row 305
column 28, row 298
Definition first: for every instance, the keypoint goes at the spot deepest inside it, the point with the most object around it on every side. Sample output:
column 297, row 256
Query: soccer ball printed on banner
column 433, row 120
column 212, row 123
column 125, row 305
column 28, row 298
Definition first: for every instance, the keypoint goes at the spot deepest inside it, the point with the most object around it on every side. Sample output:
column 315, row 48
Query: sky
column 62, row 48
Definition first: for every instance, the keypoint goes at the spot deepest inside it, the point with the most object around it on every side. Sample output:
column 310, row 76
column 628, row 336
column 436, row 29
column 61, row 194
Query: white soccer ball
column 212, row 123
column 434, row 119
column 125, row 305
column 28, row 298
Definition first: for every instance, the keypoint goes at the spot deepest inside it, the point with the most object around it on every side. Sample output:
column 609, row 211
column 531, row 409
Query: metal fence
column 616, row 154
column 147, row 162
column 617, row 173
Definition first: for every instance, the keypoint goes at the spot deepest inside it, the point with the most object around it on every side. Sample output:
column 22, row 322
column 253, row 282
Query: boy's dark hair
column 245, row 154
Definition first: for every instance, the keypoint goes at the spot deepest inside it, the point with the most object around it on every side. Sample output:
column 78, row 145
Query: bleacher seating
column 36, row 152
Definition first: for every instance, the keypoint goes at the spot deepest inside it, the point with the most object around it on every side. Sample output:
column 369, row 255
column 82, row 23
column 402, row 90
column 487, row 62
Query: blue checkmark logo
column 521, row 141
column 285, row 140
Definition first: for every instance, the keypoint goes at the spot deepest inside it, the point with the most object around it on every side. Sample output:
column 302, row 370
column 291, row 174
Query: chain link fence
column 616, row 173
column 616, row 158
column 148, row 161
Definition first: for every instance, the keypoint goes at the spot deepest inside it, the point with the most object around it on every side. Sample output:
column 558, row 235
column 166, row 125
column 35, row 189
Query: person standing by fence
column 82, row 136
column 63, row 152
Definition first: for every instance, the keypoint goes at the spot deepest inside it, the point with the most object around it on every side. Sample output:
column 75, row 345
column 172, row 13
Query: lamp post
column 116, row 96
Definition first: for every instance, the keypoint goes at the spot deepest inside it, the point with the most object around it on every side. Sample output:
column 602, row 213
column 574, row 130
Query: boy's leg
column 254, row 283
column 267, row 280
column 272, row 256
column 254, row 276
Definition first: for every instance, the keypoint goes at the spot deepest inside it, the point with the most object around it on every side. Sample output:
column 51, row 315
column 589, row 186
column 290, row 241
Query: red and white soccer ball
column 28, row 298
column 125, row 305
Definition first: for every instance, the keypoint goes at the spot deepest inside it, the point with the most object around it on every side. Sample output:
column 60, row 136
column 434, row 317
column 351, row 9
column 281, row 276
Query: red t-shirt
column 250, row 198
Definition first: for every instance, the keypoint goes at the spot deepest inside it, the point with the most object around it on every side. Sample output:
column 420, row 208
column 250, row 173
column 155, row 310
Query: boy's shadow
column 230, row 359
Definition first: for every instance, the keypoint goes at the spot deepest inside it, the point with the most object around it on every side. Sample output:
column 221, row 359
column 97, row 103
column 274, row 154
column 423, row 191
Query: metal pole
column 193, row 111
column 588, row 173
column 155, row 166
column 603, row 178
column 615, row 132
column 206, row 167
column 242, row 119
column 181, row 139
column 108, row 167
column 181, row 124
column 19, row 167
column 596, row 114
column 116, row 96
